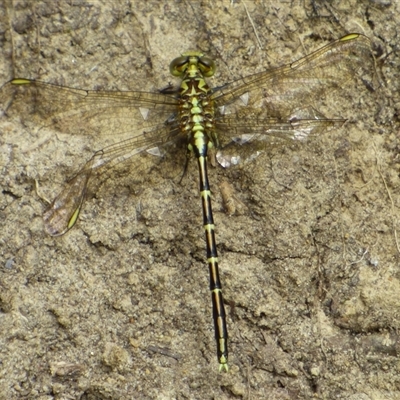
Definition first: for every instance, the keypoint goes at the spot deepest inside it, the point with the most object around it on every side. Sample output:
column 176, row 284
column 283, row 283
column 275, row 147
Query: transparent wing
column 84, row 112
column 282, row 101
column 300, row 125
column 63, row 211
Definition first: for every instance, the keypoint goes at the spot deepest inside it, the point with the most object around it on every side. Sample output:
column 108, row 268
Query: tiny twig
column 390, row 197
column 254, row 28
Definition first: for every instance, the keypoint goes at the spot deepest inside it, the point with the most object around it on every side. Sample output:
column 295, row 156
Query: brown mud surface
column 119, row 308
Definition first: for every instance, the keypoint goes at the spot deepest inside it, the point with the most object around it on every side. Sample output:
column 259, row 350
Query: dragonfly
column 196, row 121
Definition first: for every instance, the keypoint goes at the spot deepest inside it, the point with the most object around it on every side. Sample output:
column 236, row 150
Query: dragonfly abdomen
column 220, row 328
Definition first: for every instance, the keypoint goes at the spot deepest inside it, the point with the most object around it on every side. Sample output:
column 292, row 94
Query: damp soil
column 119, row 307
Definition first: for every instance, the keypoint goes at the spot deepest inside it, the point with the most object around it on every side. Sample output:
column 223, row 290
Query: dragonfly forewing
column 277, row 92
column 85, row 112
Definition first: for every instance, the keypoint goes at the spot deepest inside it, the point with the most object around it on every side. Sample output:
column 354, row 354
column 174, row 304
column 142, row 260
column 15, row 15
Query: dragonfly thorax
column 196, row 112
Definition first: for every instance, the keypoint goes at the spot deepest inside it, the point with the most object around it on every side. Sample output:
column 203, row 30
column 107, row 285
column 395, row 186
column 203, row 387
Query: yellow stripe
column 352, row 36
column 20, row 81
column 74, row 217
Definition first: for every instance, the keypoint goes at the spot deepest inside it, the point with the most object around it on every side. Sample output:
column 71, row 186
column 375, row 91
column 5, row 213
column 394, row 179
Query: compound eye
column 178, row 65
column 207, row 66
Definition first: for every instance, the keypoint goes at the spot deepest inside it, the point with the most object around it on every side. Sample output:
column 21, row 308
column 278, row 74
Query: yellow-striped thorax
column 196, row 107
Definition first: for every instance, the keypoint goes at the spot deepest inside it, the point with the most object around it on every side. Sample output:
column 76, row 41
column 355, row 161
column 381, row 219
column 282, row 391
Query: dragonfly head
column 192, row 60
